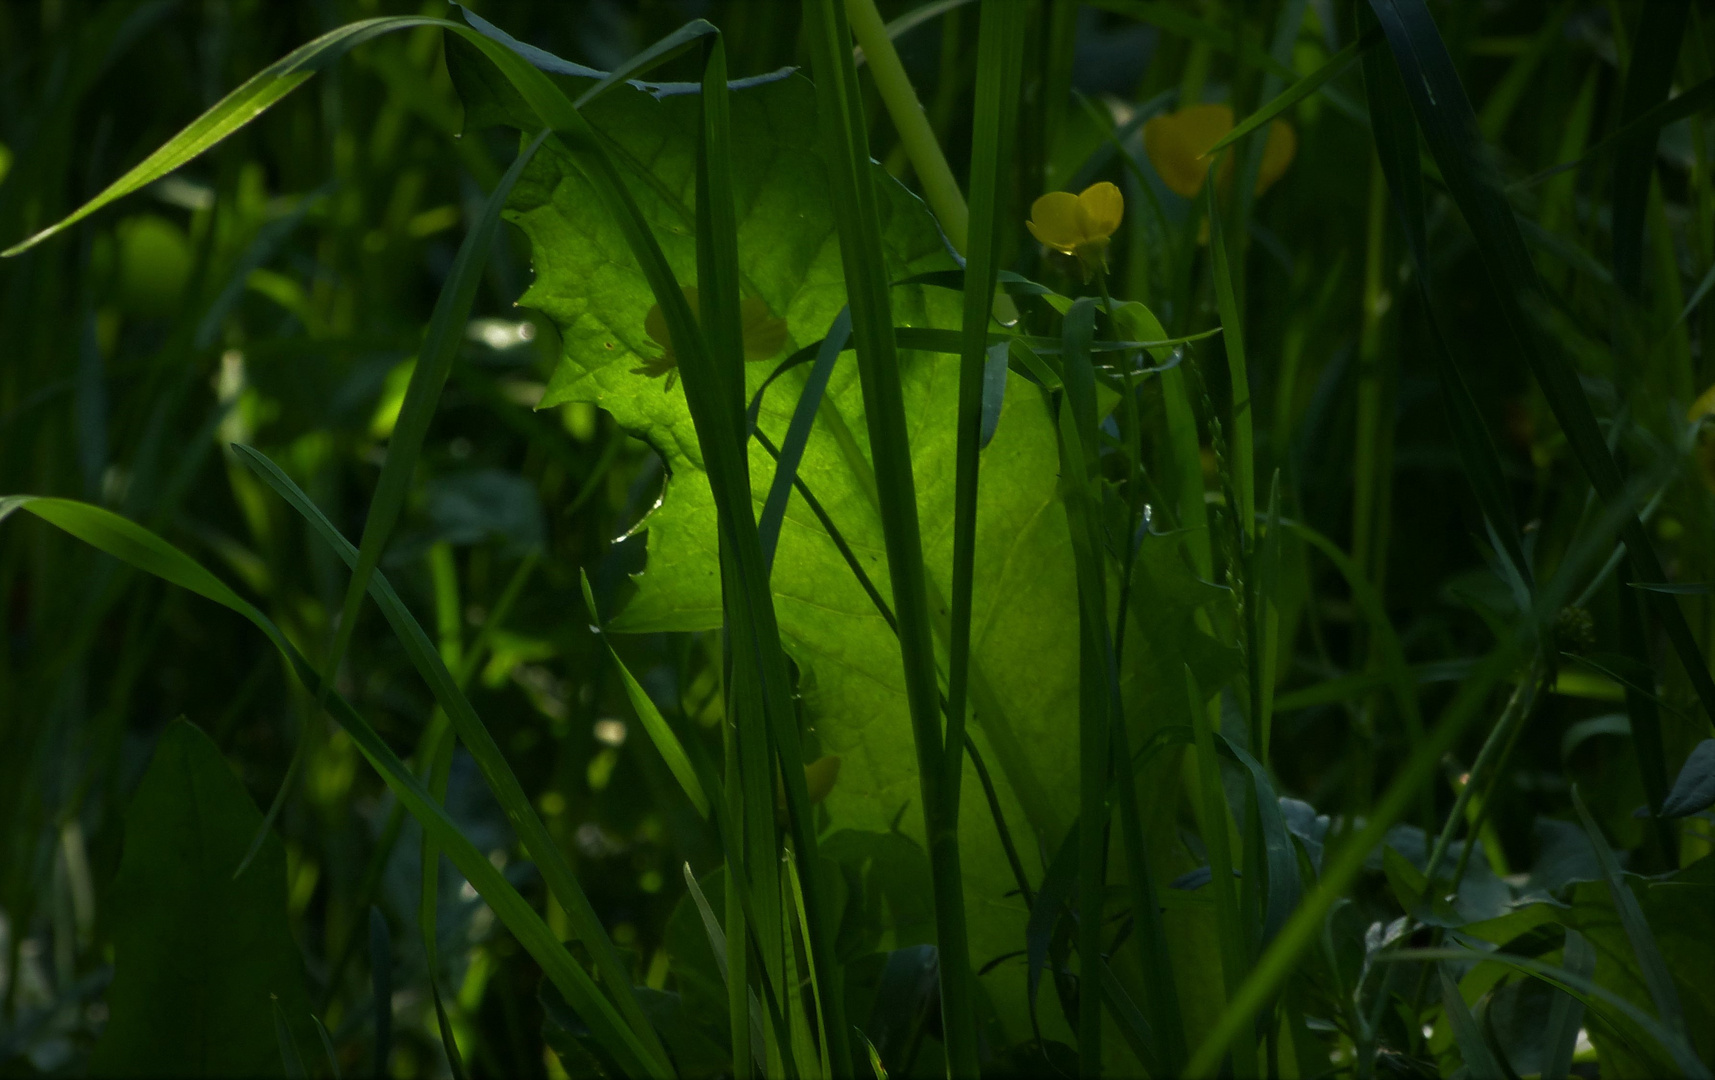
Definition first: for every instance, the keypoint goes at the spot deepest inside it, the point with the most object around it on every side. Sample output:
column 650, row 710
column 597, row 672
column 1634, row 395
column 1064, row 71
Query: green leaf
column 1479, row 1060
column 1024, row 641
column 1644, row 946
column 1694, row 790
column 1679, row 910
column 198, row 957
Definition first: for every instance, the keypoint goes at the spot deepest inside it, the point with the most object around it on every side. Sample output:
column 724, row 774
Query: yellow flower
column 1177, row 143
column 1702, row 417
column 1079, row 224
column 764, row 335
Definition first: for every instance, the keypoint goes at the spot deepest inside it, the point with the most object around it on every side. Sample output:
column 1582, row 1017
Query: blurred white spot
column 610, row 732
column 467, row 891
column 183, row 193
column 501, row 333
column 230, row 382
column 594, row 842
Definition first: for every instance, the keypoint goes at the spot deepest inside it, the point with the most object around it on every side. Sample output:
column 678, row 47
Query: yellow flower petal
column 1177, row 142
column 655, row 325
column 1276, row 155
column 1100, row 208
column 1054, row 220
column 764, row 335
column 1703, row 406
column 1702, row 414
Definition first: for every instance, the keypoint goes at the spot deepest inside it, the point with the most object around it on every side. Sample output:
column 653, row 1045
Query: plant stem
column 927, row 161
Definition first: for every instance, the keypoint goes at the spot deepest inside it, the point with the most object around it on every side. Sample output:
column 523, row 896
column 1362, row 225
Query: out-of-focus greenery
column 275, row 292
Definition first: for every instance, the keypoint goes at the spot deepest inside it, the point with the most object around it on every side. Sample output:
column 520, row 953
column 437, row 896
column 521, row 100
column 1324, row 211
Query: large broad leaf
column 198, row 956
column 1024, row 638
column 1679, row 909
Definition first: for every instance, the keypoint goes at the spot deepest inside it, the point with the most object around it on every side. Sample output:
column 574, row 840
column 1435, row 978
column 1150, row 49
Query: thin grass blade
column 1335, row 66
column 1232, row 334
column 1480, row 1062
column 846, row 152
column 290, row 1059
column 254, row 97
column 1566, row 1014
column 1395, row 131
column 667, row 744
column 798, row 433
column 327, row 1048
column 1644, row 947
column 1649, row 77
column 1000, row 62
column 381, row 989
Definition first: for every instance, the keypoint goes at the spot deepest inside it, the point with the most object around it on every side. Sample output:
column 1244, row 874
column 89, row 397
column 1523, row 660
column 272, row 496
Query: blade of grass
column 1649, row 77
column 290, row 1059
column 1232, row 335
column 798, row 433
column 327, row 1048
column 1000, row 62
column 714, row 389
column 145, row 551
column 381, row 988
column 1077, row 429
column 1449, row 125
column 1395, row 131
column 1217, row 834
column 660, row 733
column 940, row 189
column 254, row 97
column 1693, row 100
column 854, row 202
column 1335, row 66
column 1648, row 954
column 1566, row 1014
column 1284, row 886
column 1480, row 1063
column 439, row 773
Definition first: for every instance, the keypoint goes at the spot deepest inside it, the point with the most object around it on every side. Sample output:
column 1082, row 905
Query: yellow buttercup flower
column 1079, row 225
column 764, row 335
column 1177, row 143
column 1702, row 416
